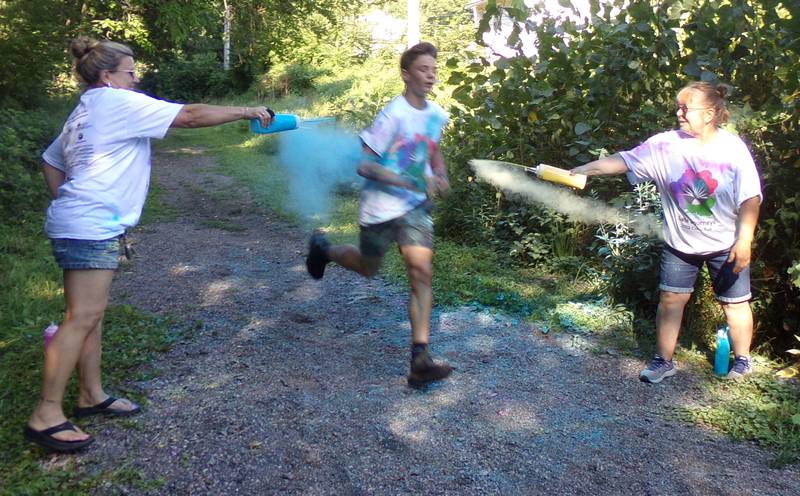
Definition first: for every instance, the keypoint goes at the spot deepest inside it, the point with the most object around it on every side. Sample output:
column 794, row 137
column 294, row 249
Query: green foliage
column 34, row 37
column 22, row 190
column 593, row 317
column 31, row 296
column 23, row 136
column 607, row 83
column 631, row 259
column 188, row 80
column 32, row 42
column 794, row 273
column 295, row 77
column 757, row 409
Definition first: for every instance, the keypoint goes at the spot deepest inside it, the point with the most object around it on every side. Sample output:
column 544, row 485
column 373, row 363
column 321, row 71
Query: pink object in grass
column 48, row 333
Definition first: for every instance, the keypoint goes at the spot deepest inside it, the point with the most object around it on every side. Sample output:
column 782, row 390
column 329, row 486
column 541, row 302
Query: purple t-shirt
column 702, row 186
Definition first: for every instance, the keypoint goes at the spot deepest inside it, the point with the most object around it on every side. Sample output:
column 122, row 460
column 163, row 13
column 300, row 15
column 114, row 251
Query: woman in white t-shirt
column 711, row 194
column 98, row 171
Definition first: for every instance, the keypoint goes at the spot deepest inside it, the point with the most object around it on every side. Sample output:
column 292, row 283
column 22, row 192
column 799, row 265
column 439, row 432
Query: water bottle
column 280, row 122
column 722, row 356
column 48, row 333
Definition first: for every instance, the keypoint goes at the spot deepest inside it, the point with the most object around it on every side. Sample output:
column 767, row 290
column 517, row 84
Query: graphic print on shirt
column 409, row 157
column 694, row 191
column 76, row 146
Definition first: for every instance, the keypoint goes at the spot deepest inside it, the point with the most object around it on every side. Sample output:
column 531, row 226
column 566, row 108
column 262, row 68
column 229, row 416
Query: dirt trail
column 294, row 386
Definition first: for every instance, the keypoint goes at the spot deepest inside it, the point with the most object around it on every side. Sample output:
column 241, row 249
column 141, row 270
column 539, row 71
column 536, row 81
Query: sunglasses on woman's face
column 683, row 109
column 131, row 72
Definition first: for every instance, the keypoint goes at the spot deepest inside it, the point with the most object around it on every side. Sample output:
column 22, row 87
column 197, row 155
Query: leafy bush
column 188, row 80
column 632, row 259
column 23, row 135
column 290, row 78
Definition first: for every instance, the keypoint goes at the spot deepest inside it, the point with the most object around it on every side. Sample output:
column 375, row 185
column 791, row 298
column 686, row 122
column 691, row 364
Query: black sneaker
column 317, row 257
column 424, row 370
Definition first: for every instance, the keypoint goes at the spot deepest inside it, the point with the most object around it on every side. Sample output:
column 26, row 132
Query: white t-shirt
column 404, row 138
column 701, row 186
column 104, row 152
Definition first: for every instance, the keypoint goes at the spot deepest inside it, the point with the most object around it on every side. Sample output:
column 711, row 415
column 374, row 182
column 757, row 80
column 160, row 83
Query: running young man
column 407, row 171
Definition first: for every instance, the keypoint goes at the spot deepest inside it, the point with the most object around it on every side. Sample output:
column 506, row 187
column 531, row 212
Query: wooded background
column 594, row 84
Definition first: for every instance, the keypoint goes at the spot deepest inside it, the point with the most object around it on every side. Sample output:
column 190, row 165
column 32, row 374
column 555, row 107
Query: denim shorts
column 76, row 254
column 679, row 273
column 414, row 228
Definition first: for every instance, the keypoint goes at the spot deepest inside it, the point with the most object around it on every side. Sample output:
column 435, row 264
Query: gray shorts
column 414, row 228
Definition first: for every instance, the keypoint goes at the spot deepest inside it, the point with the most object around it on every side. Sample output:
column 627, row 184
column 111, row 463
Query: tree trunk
column 226, row 36
column 413, row 22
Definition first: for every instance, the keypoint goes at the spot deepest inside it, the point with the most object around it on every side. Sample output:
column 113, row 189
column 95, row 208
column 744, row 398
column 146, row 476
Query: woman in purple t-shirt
column 711, row 195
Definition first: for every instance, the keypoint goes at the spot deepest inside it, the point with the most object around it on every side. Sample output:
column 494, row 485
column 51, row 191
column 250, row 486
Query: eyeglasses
column 131, row 73
column 683, row 109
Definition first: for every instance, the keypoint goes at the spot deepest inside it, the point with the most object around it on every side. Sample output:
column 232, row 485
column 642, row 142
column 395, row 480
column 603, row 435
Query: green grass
column 757, row 408
column 156, row 209
column 563, row 296
column 224, row 225
column 244, row 156
column 31, row 296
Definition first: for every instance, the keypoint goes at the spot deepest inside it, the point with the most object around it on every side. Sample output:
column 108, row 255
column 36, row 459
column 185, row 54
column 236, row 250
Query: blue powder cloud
column 319, row 158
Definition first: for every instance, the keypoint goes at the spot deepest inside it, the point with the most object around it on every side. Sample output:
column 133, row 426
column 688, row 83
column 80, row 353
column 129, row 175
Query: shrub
column 188, row 80
column 23, row 135
column 607, row 83
column 290, row 78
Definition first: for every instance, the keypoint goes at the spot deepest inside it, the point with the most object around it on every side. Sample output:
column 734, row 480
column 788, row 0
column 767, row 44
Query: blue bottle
column 281, row 122
column 722, row 356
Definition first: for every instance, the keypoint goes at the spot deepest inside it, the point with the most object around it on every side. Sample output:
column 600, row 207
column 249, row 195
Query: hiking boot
column 741, row 367
column 658, row 370
column 424, row 370
column 317, row 257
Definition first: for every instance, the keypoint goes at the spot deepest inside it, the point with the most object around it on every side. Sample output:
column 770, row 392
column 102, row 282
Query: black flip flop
column 104, row 409
column 45, row 439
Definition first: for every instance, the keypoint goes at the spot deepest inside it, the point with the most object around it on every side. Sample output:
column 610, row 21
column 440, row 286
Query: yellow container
column 560, row 176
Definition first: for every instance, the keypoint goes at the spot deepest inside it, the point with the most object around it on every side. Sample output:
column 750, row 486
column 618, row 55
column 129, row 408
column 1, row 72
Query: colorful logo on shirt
column 694, row 191
column 409, row 157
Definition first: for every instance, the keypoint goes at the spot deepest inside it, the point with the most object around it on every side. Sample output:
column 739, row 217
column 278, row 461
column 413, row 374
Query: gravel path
column 294, row 386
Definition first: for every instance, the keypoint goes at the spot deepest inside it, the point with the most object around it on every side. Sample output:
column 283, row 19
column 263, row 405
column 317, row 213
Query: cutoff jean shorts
column 679, row 273
column 77, row 254
column 414, row 228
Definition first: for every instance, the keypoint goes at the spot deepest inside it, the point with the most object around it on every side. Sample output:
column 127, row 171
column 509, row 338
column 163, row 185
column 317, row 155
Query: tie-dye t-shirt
column 404, row 138
column 701, row 186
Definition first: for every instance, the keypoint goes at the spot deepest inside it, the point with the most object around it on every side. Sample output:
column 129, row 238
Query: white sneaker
column 658, row 370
